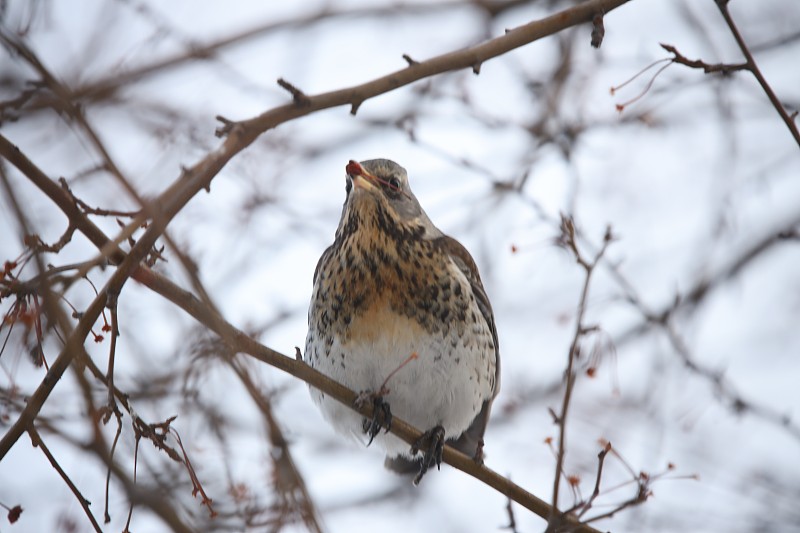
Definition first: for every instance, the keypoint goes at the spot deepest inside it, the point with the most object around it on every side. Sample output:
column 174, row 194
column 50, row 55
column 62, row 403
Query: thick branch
column 472, row 58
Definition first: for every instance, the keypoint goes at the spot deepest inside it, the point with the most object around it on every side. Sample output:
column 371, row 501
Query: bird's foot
column 381, row 414
column 431, row 444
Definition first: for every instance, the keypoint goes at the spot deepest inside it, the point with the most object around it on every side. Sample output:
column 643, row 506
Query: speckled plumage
column 391, row 285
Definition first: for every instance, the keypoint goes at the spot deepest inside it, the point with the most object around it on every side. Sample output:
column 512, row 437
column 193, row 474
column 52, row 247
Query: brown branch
column 37, row 442
column 750, row 65
column 411, row 61
column 156, row 504
column 111, row 303
column 708, row 68
column 643, row 481
column 117, row 433
column 299, row 97
column 471, row 58
column 138, row 439
column 512, row 521
column 64, row 200
column 65, row 103
column 75, row 341
column 141, row 428
column 289, row 481
column 136, row 494
column 662, row 318
column 197, row 487
column 601, row 459
column 73, row 349
column 73, row 346
column 89, row 210
column 35, row 241
column 598, row 30
column 106, row 87
column 567, row 239
column 753, row 67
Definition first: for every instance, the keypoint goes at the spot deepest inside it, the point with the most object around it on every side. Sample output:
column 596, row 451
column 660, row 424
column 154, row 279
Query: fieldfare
column 399, row 313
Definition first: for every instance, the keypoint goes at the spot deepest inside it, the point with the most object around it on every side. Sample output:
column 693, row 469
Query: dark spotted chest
column 376, row 263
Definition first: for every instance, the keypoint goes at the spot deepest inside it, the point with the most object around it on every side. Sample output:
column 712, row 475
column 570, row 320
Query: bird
column 399, row 314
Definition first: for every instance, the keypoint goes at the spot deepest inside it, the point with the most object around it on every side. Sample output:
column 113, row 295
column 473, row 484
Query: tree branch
column 556, row 519
column 37, row 441
column 471, row 58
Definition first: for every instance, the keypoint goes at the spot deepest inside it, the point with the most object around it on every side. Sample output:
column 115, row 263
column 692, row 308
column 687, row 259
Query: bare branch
column 567, row 239
column 471, row 57
column 299, row 97
column 37, row 441
column 722, row 68
column 753, row 67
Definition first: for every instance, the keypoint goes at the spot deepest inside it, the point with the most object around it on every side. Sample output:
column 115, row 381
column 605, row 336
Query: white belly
column 446, row 384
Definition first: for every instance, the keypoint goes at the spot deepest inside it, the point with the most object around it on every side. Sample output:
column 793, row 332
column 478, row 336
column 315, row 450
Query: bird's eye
column 394, row 183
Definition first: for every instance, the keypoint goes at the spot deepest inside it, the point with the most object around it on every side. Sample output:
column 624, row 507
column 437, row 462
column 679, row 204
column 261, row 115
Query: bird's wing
column 323, row 258
column 471, row 441
column 467, row 265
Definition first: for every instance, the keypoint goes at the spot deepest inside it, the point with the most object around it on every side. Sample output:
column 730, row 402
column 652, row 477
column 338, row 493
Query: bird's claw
column 381, row 413
column 432, row 445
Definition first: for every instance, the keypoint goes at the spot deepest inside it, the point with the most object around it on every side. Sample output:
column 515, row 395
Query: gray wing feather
column 466, row 264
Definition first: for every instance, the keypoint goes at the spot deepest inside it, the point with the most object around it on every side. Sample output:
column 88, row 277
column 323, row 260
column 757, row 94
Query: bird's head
column 379, row 197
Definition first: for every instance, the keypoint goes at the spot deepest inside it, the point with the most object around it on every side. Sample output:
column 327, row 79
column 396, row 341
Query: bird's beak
column 361, row 178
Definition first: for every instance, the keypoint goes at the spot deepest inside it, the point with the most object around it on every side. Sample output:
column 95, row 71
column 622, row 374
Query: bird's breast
column 370, row 274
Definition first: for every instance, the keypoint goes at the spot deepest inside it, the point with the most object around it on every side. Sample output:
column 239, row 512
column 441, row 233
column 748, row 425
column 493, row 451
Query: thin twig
column 117, row 433
column 298, row 96
column 512, row 521
column 753, row 67
column 111, row 303
column 708, row 68
column 568, row 240
column 37, row 441
column 138, row 439
column 601, row 458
